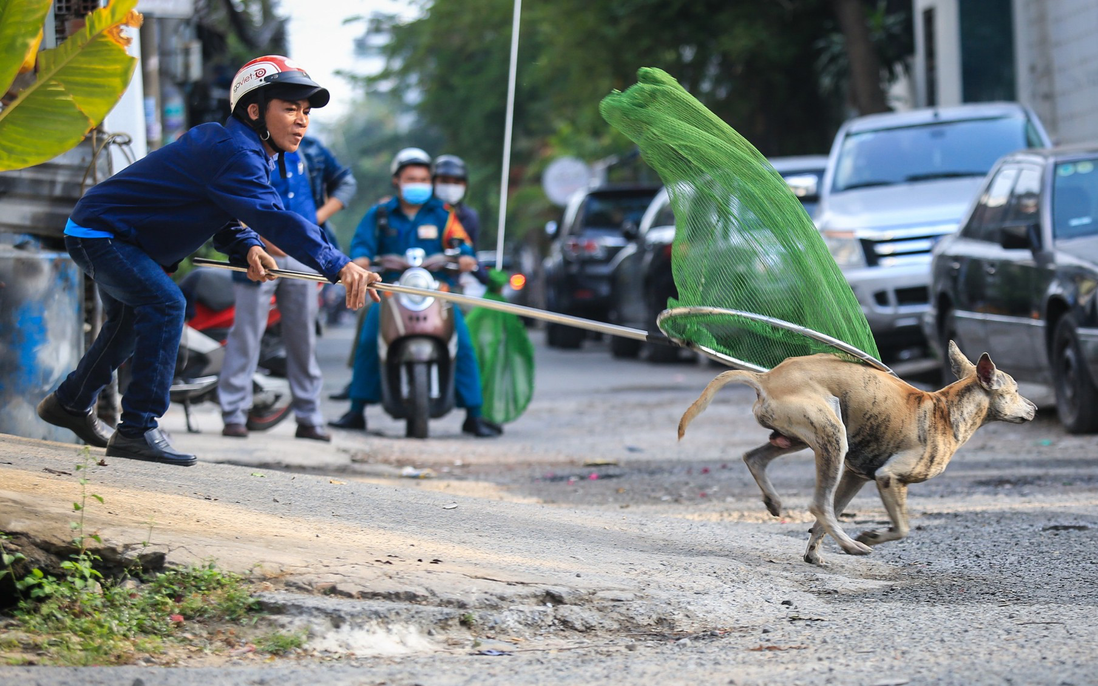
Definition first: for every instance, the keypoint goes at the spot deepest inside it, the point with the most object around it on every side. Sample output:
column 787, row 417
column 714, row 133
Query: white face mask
column 450, row 193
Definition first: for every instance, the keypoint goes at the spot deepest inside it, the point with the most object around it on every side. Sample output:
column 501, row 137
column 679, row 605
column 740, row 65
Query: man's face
column 287, row 120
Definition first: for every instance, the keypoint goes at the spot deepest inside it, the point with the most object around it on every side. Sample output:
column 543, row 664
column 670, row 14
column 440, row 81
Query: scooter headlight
column 417, row 278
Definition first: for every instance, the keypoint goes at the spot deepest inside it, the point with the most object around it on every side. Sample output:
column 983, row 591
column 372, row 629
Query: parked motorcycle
column 417, row 342
column 202, row 353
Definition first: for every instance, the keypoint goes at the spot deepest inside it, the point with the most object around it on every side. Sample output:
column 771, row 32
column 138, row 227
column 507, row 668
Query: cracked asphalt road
column 587, row 545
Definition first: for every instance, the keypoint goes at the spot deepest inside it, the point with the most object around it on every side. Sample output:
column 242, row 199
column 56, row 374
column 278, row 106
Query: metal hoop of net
column 729, row 336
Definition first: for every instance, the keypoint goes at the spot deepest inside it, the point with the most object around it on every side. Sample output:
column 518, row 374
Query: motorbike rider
column 450, row 180
column 298, row 303
column 412, row 218
column 129, row 231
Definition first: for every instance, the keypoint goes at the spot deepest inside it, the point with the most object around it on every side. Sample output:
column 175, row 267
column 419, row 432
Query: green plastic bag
column 505, row 355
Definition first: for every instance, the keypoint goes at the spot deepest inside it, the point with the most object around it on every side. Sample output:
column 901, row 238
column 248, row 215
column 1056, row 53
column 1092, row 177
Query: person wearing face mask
column 413, row 218
column 451, row 181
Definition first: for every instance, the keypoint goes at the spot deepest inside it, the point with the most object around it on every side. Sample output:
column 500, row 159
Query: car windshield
column 944, row 150
column 611, row 211
column 1074, row 192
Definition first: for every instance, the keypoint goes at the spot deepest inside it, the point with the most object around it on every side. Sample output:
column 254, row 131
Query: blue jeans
column 144, row 311
column 366, row 378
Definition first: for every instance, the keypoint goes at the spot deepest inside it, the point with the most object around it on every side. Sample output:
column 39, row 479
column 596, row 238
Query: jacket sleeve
column 364, row 243
column 243, row 190
column 235, row 240
column 342, row 187
column 339, row 182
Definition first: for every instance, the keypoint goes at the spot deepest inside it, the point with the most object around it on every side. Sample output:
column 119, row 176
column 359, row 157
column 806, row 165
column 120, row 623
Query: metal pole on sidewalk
column 508, row 126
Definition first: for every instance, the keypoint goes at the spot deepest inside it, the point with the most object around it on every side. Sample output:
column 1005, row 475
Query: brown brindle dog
column 866, row 425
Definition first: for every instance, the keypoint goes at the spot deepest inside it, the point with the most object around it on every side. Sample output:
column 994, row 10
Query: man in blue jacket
column 413, row 218
column 129, row 231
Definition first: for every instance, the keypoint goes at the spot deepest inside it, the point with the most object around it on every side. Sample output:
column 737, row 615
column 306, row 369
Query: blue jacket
column 327, row 177
column 175, row 199
column 431, row 226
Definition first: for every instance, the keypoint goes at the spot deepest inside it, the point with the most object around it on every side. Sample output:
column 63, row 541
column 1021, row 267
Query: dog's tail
column 737, row 375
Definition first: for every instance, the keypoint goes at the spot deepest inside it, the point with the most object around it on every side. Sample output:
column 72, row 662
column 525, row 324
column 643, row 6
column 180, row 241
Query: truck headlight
column 845, row 248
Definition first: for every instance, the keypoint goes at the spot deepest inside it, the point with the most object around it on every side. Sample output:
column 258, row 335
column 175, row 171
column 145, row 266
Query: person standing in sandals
column 128, row 232
column 298, row 302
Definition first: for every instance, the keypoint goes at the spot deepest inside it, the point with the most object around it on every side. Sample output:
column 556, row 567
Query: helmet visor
column 297, row 86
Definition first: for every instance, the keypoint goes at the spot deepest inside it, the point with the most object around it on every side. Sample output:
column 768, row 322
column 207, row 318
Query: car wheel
column 624, row 347
column 948, row 333
column 1076, row 395
column 566, row 337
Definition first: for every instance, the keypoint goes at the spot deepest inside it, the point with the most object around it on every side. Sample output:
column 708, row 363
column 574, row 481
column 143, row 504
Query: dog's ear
column 962, row 367
column 987, row 374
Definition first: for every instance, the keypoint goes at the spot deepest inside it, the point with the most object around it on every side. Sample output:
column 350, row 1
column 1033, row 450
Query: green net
column 505, row 355
column 742, row 239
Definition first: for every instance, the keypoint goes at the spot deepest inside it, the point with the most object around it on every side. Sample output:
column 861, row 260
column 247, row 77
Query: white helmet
column 409, row 156
column 286, row 78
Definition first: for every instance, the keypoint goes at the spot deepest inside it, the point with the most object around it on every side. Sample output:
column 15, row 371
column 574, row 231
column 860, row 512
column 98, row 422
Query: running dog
column 866, row 425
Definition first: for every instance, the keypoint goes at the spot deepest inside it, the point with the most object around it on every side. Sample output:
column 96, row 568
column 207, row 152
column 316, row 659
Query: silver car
column 895, row 184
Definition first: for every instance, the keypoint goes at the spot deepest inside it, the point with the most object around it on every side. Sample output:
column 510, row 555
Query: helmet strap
column 260, row 127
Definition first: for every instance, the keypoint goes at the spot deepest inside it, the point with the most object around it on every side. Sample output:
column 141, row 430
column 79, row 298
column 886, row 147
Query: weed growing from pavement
column 279, row 643
column 81, row 618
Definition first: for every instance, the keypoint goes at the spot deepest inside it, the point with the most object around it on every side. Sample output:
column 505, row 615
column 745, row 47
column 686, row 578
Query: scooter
column 202, row 354
column 417, row 342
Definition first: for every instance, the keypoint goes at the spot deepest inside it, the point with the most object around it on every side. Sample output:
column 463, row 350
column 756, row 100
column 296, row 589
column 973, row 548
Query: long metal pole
column 506, row 174
column 521, row 310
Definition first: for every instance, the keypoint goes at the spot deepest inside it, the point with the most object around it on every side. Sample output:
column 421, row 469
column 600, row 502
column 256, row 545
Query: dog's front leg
column 894, row 496
column 830, row 447
column 849, row 486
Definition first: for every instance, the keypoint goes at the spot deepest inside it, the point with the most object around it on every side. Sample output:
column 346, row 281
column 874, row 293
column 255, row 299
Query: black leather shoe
column 479, row 428
column 351, row 420
column 313, row 433
column 153, row 446
column 86, row 426
column 345, row 394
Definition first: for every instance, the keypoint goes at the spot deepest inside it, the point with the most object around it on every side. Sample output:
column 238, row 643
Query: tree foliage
column 752, row 62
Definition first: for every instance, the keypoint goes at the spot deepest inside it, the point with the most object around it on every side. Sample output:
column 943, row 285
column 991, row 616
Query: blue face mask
column 415, row 193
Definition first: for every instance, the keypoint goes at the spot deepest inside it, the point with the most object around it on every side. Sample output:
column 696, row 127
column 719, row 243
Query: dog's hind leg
column 830, row 444
column 849, row 486
column 894, row 496
column 757, row 460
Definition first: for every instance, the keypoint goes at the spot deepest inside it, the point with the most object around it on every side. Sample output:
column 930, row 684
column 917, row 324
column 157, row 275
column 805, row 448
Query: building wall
column 1056, row 61
column 1057, row 43
column 947, row 29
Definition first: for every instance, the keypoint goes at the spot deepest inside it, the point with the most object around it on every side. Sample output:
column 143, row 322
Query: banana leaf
column 20, row 28
column 505, row 355
column 78, row 83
